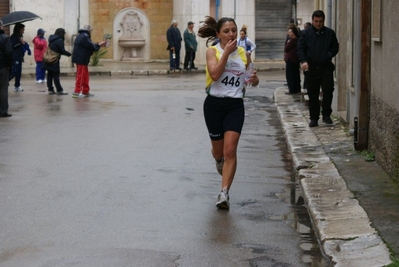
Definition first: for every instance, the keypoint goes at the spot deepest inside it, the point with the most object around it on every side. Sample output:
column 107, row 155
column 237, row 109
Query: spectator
column 190, row 42
column 56, row 44
column 305, row 84
column 317, row 46
column 40, row 46
column 292, row 62
column 18, row 47
column 83, row 48
column 174, row 45
column 5, row 65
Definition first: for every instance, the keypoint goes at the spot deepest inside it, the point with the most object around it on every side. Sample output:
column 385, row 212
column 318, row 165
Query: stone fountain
column 131, row 38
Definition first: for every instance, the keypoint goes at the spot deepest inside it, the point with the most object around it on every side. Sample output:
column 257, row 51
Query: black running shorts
column 222, row 115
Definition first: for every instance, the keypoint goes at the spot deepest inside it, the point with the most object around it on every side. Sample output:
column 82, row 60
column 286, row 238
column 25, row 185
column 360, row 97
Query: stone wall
column 384, row 98
column 384, row 136
column 159, row 12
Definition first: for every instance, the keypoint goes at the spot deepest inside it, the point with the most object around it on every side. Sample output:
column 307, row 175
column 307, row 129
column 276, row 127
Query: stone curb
column 341, row 224
column 114, row 73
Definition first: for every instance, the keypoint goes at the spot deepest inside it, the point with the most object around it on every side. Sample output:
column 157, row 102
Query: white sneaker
column 18, row 89
column 76, row 95
column 219, row 166
column 223, row 201
column 39, row 81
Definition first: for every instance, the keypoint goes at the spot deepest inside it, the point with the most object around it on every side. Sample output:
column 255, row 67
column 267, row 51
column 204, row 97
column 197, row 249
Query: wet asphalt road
column 126, row 178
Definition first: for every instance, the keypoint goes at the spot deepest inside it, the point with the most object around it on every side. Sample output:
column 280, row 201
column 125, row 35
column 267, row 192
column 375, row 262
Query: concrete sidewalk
column 334, row 178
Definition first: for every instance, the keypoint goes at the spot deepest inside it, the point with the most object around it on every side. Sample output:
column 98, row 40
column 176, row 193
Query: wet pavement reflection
column 300, row 220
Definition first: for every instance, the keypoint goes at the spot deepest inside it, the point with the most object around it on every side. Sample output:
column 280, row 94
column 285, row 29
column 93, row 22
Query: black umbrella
column 18, row 17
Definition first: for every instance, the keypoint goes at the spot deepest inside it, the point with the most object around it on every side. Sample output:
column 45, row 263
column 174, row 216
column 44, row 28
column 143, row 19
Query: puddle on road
column 300, row 220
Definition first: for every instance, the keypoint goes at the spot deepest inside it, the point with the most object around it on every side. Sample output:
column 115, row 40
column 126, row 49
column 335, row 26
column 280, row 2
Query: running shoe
column 18, row 89
column 223, row 201
column 77, row 95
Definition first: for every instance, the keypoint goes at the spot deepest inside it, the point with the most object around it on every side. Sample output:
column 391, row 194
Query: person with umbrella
column 17, row 44
column 5, row 65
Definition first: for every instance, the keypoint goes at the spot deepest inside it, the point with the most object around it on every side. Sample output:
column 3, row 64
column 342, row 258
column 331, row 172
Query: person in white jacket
column 244, row 41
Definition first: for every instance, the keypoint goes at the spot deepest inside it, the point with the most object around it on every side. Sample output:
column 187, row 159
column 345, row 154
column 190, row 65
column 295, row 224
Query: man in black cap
column 190, row 42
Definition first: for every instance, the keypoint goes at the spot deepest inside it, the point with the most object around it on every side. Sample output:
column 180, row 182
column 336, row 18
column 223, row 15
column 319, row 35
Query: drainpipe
column 73, row 36
column 364, row 104
column 235, row 9
column 78, row 19
column 294, row 10
column 217, row 9
column 329, row 13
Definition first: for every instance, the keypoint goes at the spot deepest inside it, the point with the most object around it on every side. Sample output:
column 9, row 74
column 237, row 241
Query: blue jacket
column 83, row 48
column 174, row 38
column 27, row 48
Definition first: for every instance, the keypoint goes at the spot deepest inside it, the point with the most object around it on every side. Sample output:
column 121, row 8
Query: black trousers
column 305, row 83
column 316, row 78
column 4, row 74
column 293, row 76
column 187, row 59
column 53, row 75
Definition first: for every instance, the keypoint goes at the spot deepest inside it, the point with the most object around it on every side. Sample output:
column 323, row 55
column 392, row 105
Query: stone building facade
column 366, row 80
column 155, row 17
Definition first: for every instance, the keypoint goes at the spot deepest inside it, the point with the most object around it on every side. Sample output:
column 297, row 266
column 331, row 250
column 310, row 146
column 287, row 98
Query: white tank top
column 231, row 82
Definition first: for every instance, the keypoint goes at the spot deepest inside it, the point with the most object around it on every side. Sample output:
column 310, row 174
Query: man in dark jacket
column 56, row 44
column 190, row 42
column 83, row 48
column 317, row 45
column 17, row 44
column 5, row 65
column 174, row 45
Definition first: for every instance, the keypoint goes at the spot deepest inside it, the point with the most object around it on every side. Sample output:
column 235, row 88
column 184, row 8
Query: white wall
column 66, row 17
